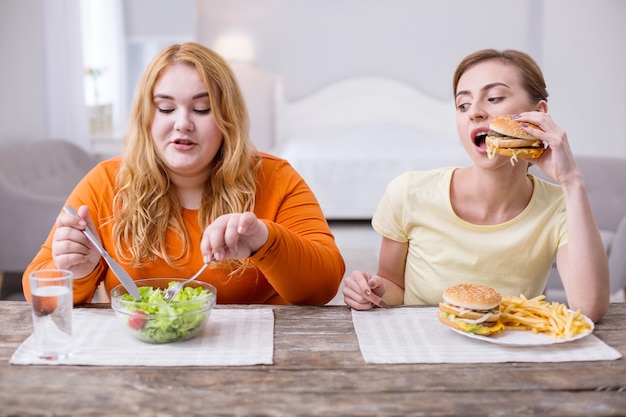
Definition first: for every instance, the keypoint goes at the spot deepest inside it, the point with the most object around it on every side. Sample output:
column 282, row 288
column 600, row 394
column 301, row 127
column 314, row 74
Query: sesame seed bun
column 507, row 126
column 472, row 296
column 506, row 137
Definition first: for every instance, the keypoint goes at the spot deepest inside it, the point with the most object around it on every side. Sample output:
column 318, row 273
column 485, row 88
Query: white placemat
column 231, row 337
column 415, row 335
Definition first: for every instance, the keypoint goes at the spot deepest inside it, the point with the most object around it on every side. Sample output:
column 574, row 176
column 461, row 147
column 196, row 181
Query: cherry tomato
column 136, row 321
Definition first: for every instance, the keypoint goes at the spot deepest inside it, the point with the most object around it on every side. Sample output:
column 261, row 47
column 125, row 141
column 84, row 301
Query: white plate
column 524, row 337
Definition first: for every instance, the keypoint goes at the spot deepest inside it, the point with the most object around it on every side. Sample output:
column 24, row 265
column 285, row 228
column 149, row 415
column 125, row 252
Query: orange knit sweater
column 299, row 264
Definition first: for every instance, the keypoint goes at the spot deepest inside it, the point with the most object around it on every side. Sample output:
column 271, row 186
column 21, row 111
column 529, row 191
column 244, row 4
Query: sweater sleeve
column 300, row 259
column 95, row 190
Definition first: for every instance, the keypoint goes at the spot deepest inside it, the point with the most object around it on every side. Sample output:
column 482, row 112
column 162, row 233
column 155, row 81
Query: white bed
column 350, row 138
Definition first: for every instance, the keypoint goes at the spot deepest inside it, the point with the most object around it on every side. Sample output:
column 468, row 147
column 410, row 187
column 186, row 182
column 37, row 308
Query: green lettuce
column 167, row 322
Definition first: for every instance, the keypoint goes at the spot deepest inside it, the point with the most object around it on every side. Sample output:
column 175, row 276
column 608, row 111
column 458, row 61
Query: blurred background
column 69, row 67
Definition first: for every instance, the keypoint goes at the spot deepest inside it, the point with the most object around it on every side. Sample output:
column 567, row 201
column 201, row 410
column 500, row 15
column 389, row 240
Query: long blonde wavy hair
column 146, row 206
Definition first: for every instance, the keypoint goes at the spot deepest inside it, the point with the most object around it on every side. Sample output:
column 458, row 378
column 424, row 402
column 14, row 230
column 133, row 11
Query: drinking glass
column 52, row 304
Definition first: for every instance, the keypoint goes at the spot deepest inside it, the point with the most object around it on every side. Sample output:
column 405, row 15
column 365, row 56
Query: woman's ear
column 542, row 106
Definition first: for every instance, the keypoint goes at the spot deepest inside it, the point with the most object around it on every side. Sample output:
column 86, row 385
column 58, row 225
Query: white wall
column 578, row 43
column 584, row 62
column 309, row 43
column 22, row 114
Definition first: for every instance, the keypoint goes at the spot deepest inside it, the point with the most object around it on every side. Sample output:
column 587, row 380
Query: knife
column 117, row 269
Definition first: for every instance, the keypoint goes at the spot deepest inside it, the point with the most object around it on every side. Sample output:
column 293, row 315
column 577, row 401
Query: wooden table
column 318, row 370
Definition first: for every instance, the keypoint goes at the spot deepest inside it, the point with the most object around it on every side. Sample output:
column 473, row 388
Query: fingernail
column 516, row 116
column 368, row 292
column 207, row 259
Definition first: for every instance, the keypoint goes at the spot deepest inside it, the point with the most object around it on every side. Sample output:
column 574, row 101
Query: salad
column 154, row 320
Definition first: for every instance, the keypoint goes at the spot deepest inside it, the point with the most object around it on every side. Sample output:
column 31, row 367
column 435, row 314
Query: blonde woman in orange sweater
column 190, row 187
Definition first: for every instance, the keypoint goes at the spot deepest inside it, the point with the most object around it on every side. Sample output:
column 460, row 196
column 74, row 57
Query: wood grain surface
column 318, row 370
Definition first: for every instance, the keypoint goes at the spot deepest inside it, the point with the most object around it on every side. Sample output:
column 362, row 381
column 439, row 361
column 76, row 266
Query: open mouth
column 479, row 140
column 183, row 142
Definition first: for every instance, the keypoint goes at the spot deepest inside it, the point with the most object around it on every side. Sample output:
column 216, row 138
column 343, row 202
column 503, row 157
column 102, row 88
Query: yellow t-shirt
column 514, row 257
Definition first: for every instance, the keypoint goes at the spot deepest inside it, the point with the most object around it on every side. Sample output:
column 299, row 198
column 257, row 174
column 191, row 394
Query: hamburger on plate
column 506, row 137
column 471, row 308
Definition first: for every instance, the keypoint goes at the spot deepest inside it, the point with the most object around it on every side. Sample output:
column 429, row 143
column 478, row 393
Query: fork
column 175, row 289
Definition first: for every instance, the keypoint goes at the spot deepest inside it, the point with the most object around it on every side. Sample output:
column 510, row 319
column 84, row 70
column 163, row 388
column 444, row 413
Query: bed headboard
column 362, row 101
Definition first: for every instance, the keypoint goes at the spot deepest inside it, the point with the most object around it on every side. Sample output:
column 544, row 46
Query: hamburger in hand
column 471, row 308
column 507, row 138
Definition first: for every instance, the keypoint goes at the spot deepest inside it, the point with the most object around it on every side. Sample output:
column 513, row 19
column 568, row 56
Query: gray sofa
column 605, row 179
column 35, row 179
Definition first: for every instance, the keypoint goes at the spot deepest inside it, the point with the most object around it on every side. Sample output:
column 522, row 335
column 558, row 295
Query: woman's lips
column 183, row 144
column 478, row 136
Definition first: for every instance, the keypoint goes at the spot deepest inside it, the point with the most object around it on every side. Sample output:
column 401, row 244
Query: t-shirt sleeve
column 389, row 219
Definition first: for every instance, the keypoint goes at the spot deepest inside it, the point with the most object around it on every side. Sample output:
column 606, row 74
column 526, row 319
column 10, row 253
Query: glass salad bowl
column 153, row 320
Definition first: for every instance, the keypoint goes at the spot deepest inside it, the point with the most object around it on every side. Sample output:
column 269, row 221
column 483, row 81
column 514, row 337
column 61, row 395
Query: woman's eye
column 496, row 99
column 202, row 111
column 166, row 111
column 463, row 107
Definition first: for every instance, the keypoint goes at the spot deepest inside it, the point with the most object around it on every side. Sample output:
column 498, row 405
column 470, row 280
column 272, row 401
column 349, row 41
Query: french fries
column 538, row 316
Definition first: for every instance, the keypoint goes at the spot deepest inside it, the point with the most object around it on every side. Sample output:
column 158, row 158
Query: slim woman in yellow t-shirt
column 491, row 222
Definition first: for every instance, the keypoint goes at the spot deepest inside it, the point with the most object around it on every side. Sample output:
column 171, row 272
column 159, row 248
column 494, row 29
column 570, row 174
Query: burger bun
column 472, row 296
column 507, row 137
column 507, row 126
column 514, row 153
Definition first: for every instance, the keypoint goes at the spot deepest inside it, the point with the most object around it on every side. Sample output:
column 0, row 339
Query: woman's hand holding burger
column 557, row 160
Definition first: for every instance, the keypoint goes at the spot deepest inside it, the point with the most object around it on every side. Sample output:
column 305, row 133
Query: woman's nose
column 476, row 112
column 183, row 122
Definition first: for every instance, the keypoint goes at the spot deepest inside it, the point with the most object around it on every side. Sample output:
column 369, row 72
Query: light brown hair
column 145, row 205
column 530, row 73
